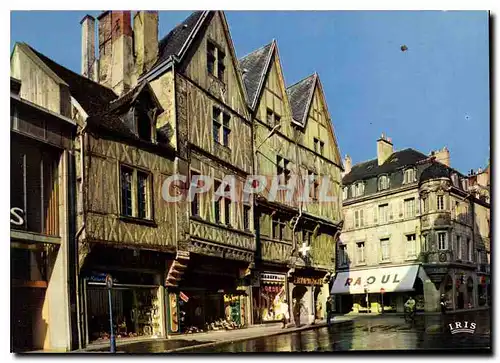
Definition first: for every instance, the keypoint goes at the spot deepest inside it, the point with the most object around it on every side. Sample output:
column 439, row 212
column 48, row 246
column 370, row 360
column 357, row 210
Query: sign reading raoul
column 386, row 279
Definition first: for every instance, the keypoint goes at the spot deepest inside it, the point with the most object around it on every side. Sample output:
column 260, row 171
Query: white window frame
column 385, row 215
column 343, row 254
column 344, row 193
column 445, row 241
column 383, row 182
column 360, row 189
column 385, row 244
column 411, row 252
column 360, row 251
column 406, row 176
column 424, row 241
column 406, row 210
column 440, row 206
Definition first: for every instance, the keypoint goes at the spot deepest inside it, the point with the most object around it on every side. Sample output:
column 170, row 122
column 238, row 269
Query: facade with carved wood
column 145, row 111
column 410, row 214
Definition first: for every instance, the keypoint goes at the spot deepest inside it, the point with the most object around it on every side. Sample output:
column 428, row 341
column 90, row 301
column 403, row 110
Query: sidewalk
column 448, row 312
column 178, row 343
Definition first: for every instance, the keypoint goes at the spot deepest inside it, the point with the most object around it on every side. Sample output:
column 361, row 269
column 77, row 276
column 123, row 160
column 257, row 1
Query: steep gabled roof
column 92, row 96
column 397, row 160
column 173, row 42
column 300, row 95
column 254, row 67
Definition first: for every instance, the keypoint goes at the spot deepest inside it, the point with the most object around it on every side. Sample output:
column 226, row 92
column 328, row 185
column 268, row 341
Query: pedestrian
column 329, row 309
column 285, row 313
column 443, row 304
column 410, row 306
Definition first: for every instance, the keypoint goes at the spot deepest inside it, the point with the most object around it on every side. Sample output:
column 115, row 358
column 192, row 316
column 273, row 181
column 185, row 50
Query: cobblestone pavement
column 373, row 333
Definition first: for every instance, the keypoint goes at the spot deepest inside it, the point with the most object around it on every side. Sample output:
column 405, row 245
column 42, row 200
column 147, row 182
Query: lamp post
column 367, row 302
column 112, row 341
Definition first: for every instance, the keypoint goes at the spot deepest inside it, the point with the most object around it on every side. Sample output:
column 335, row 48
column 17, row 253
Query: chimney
column 347, row 164
column 384, row 149
column 443, row 156
column 88, row 46
column 115, row 50
column 145, row 41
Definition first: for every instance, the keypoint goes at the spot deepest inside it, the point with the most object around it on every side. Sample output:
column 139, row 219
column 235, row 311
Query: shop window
column 442, row 243
column 34, row 186
column 410, row 246
column 28, row 264
column 385, row 249
column 135, row 193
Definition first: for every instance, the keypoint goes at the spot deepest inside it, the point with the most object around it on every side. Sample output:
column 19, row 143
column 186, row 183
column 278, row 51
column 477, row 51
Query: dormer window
column 360, row 189
column 409, row 176
column 144, row 126
column 454, row 179
column 383, row 182
column 465, row 184
column 344, row 193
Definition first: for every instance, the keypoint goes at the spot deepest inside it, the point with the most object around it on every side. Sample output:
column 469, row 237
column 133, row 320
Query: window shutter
column 401, row 210
column 361, row 218
column 375, row 214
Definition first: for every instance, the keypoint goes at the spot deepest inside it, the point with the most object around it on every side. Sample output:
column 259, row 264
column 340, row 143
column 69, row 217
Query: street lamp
column 367, row 302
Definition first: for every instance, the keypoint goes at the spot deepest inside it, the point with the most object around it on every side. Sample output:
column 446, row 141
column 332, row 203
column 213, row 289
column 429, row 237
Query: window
column 383, row 213
column 384, row 248
column 227, row 211
column 211, row 58
column 442, row 245
column 280, row 229
column 307, row 237
column 344, row 193
column 195, row 208
column 440, row 202
column 343, row 254
column 383, row 182
column 454, row 179
column 459, row 248
column 222, row 206
column 409, row 208
column 217, row 204
column 465, row 184
column 144, row 127
column 410, row 245
column 273, row 119
column 135, row 193
column 215, row 61
column 425, row 246
column 221, row 128
column 283, row 169
column 361, row 252
column 469, row 250
column 360, row 189
column 425, row 202
column 246, row 217
column 314, row 187
column 358, row 218
column 409, row 176
column 319, row 146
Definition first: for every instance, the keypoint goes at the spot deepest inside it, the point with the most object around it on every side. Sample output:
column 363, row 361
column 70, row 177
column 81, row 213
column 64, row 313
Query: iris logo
column 462, row 327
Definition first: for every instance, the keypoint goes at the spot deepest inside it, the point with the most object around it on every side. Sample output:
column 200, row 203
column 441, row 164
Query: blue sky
column 433, row 95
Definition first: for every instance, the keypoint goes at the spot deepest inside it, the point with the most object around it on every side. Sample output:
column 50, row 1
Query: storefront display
column 269, row 297
column 136, row 309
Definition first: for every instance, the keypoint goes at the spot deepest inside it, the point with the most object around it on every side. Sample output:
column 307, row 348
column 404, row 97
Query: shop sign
column 16, row 216
column 272, row 277
column 300, row 280
column 183, row 297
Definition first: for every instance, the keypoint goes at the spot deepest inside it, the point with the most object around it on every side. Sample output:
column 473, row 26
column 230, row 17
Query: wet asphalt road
column 372, row 333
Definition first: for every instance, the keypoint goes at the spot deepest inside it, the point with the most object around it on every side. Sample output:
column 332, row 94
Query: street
column 371, row 333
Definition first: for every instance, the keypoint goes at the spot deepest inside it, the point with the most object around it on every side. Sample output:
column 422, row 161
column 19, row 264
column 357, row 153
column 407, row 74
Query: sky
column 435, row 94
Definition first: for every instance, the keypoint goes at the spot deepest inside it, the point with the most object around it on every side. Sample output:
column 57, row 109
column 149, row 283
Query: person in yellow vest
column 410, row 307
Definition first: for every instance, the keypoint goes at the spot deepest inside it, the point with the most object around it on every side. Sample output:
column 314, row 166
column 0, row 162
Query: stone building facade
column 411, row 227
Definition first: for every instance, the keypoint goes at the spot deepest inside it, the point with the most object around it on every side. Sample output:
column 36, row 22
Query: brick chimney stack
column 384, row 149
column 443, row 156
column 145, row 41
column 88, row 46
column 115, row 50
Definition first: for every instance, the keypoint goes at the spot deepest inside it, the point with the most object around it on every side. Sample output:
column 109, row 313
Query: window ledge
column 361, row 264
column 410, row 258
column 145, row 222
column 385, row 261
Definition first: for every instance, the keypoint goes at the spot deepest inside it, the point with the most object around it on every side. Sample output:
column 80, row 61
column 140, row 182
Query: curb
column 284, row 331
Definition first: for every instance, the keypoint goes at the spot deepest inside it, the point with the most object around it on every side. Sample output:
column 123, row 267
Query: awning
column 376, row 280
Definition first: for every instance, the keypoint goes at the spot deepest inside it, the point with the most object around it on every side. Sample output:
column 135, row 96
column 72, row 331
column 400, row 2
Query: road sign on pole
column 112, row 341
